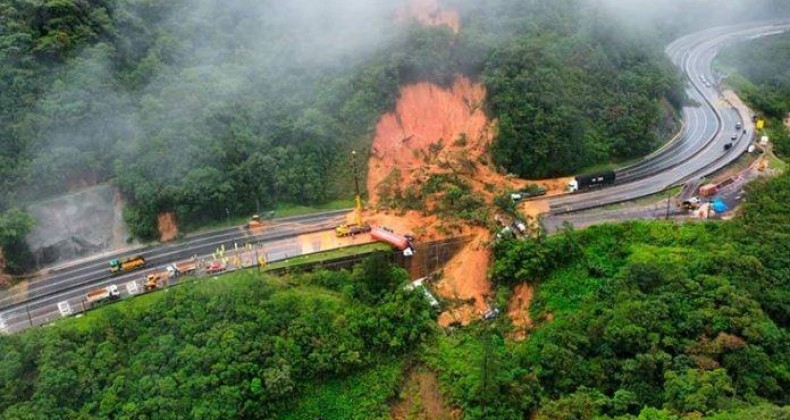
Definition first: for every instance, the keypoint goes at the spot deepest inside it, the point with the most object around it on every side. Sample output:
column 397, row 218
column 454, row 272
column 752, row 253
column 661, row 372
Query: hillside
column 243, row 346
column 207, row 110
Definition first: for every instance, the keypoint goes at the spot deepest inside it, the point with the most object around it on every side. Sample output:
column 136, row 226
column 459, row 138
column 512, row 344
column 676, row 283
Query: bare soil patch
column 465, row 281
column 518, row 310
column 168, row 228
column 422, row 399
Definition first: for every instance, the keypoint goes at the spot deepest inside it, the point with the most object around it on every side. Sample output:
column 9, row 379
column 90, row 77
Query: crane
column 358, row 226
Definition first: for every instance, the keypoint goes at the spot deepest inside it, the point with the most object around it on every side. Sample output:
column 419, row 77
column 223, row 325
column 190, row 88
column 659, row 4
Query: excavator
column 358, row 226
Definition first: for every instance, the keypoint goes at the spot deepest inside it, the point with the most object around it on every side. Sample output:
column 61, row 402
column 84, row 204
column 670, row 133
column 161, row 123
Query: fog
column 163, row 90
column 680, row 16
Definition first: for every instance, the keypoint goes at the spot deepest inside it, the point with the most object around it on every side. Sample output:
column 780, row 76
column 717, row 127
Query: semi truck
column 182, row 269
column 126, row 264
column 102, row 295
column 598, row 179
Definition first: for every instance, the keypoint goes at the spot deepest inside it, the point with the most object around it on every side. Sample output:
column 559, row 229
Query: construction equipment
column 175, row 270
column 351, row 229
column 127, row 264
column 255, row 222
column 102, row 295
column 152, row 281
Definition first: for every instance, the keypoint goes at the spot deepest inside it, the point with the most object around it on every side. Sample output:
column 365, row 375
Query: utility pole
column 29, row 318
column 669, row 196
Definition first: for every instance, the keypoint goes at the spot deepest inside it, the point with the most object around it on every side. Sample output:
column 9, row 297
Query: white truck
column 102, row 295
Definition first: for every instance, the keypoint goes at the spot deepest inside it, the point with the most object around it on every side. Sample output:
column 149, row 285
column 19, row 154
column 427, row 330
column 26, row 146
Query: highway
column 697, row 151
column 708, row 125
column 36, row 302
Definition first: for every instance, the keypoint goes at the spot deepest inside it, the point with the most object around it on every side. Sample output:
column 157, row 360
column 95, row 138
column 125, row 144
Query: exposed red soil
column 430, row 13
column 518, row 310
column 406, row 141
column 422, row 399
column 465, row 280
column 168, row 229
column 426, row 114
column 435, row 130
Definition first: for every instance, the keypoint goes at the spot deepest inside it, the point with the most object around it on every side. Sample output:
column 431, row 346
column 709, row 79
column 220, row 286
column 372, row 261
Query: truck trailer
column 599, row 179
column 103, row 294
column 126, row 264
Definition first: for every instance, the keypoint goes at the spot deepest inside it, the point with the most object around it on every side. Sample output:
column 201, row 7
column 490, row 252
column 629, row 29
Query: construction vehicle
column 102, row 295
column 591, row 180
column 126, row 264
column 152, row 281
column 255, row 222
column 351, row 230
column 358, row 227
column 175, row 270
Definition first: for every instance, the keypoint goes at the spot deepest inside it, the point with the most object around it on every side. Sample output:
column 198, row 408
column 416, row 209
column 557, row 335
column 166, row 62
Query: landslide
column 430, row 173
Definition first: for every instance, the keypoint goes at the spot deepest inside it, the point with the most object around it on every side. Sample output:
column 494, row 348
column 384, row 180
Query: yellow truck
column 126, row 264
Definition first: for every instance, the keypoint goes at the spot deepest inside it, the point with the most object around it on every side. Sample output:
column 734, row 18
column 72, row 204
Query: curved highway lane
column 699, row 150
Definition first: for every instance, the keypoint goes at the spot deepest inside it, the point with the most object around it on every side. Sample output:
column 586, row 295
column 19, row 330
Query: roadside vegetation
column 760, row 75
column 655, row 318
column 239, row 346
column 127, row 92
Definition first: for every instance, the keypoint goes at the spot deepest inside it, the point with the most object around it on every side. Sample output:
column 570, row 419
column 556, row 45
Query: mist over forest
column 204, row 107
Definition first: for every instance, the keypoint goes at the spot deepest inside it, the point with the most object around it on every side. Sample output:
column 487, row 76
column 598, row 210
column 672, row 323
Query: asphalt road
column 699, row 149
column 36, row 303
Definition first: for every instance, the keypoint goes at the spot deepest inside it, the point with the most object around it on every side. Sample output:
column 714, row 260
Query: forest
column 241, row 346
column 758, row 72
column 210, row 109
column 648, row 319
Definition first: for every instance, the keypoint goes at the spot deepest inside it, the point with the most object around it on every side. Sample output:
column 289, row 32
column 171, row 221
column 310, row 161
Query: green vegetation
column 15, row 224
column 570, row 91
column 652, row 319
column 328, row 255
column 240, row 346
column 761, row 77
